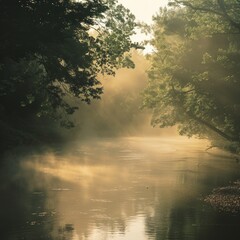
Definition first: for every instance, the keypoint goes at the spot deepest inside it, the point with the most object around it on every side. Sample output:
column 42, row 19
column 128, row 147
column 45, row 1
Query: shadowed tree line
column 51, row 50
column 194, row 79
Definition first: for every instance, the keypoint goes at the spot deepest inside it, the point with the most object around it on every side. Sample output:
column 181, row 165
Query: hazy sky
column 143, row 9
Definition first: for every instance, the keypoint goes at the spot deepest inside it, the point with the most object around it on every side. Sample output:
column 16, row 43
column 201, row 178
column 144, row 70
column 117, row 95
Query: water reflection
column 129, row 188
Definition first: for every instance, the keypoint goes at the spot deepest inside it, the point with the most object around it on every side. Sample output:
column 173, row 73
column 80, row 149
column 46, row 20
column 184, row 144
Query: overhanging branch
column 223, row 13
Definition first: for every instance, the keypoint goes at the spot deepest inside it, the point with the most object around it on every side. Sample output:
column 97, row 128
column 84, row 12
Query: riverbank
column 225, row 199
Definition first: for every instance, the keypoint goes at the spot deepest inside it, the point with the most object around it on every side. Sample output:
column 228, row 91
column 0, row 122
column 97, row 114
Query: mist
column 79, row 156
column 118, row 113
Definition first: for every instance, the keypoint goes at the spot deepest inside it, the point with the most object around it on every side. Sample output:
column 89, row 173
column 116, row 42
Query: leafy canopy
column 194, row 79
column 51, row 49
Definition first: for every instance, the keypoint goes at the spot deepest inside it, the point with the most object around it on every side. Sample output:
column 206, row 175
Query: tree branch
column 222, row 6
column 198, row 8
column 203, row 122
column 210, row 126
column 223, row 12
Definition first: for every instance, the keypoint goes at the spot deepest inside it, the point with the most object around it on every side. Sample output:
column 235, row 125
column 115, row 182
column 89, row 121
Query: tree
column 50, row 49
column 194, row 78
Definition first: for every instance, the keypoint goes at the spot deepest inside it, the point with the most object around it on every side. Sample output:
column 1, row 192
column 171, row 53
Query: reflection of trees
column 174, row 218
column 181, row 221
column 94, row 189
column 30, row 211
column 180, row 214
column 153, row 228
column 24, row 213
column 65, row 232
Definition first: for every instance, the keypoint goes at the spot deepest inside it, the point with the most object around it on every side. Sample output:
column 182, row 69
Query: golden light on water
column 114, row 176
column 108, row 166
column 110, row 188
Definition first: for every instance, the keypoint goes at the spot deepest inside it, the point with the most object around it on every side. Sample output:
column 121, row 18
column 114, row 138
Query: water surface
column 125, row 188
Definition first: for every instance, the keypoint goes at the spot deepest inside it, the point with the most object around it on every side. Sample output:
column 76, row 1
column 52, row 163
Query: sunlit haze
column 120, row 120
column 143, row 10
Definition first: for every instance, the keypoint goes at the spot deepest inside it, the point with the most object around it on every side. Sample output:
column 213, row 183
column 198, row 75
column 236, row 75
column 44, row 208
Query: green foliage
column 52, row 49
column 194, row 78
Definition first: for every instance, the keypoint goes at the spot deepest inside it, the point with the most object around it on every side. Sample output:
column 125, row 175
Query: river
column 116, row 189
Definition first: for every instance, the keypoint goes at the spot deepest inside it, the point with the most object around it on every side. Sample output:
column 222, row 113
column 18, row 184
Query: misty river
column 116, row 188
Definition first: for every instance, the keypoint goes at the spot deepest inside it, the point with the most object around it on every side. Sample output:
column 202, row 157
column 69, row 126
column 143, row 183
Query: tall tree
column 194, row 80
column 50, row 49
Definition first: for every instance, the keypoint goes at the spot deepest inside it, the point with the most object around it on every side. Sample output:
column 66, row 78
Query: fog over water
column 117, row 178
column 116, row 188
column 113, row 176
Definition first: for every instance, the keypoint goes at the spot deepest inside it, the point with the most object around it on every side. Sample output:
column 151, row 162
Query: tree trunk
column 213, row 128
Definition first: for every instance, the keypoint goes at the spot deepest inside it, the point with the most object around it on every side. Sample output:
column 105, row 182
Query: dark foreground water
column 128, row 188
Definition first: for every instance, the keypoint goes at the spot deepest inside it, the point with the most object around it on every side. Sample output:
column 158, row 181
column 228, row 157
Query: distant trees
column 117, row 114
column 194, row 79
column 50, row 49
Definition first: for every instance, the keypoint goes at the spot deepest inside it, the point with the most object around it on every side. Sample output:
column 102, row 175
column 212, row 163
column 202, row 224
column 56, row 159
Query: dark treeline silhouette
column 50, row 50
